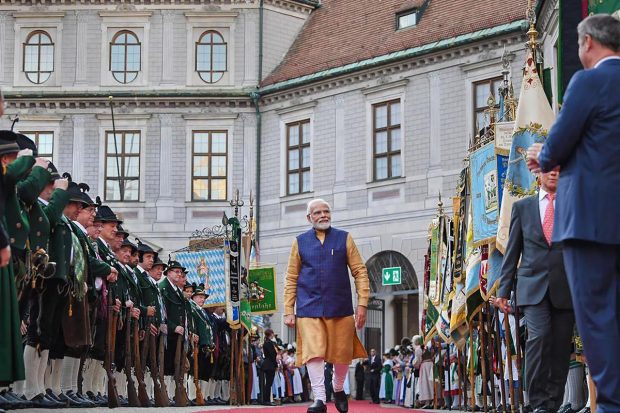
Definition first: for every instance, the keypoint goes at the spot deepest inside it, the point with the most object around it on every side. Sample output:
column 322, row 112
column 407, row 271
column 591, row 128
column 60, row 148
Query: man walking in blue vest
column 317, row 283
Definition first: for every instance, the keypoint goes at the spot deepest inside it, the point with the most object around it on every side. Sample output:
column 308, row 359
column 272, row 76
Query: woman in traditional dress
column 296, row 382
column 426, row 389
column 387, row 382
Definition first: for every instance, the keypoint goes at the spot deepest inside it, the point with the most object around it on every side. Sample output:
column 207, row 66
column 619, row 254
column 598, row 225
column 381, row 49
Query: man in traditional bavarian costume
column 317, row 281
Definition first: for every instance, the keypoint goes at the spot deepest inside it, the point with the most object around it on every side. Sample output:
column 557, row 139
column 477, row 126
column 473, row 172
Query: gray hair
column 603, row 28
column 317, row 201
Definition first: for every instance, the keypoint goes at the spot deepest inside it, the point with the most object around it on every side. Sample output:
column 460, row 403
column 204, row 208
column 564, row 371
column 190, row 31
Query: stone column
column 165, row 201
column 250, row 46
column 167, row 45
column 3, row 19
column 435, row 173
column 340, row 184
column 249, row 154
column 81, row 54
column 79, row 148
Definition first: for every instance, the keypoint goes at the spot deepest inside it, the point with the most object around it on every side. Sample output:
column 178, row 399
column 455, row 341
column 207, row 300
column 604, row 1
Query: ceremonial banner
column 503, row 137
column 502, row 170
column 458, row 316
column 484, row 193
column 534, row 118
column 494, row 270
column 206, row 267
column 472, row 271
column 263, row 294
column 246, row 314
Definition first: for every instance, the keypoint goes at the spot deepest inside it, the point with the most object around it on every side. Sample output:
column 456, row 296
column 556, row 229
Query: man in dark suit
column 584, row 141
column 374, row 366
column 542, row 292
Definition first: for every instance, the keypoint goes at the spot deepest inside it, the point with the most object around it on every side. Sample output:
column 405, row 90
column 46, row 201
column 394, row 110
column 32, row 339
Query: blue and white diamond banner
column 206, row 267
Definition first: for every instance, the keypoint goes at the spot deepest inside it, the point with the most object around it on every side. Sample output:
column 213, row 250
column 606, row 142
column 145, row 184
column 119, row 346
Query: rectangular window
column 209, row 165
column 386, row 140
column 482, row 91
column 44, row 142
column 406, row 19
column 122, row 166
column 298, row 157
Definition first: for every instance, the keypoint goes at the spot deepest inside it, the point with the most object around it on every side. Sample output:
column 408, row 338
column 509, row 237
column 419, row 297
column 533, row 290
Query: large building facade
column 369, row 105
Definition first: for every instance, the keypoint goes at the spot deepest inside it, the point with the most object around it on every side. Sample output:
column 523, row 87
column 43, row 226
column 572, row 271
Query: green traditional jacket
column 201, row 325
column 134, row 290
column 94, row 266
column 60, row 245
column 28, row 191
column 176, row 306
column 43, row 217
column 151, row 296
column 119, row 288
column 17, row 224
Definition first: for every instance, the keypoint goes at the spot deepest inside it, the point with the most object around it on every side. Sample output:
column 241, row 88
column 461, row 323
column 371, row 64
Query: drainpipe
column 255, row 96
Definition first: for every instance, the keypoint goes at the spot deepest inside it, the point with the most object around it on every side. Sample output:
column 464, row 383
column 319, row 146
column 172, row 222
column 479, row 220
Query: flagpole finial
column 532, row 33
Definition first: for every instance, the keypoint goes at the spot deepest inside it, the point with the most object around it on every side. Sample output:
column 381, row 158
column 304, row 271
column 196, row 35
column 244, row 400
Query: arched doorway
column 393, row 310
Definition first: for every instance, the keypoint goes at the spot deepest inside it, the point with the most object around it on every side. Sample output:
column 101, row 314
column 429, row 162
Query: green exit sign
column 392, row 276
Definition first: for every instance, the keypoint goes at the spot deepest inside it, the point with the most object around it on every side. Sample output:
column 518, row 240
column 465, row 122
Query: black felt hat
column 121, row 230
column 158, row 261
column 127, row 243
column 8, row 142
column 105, row 213
column 25, row 142
column 144, row 249
column 51, row 168
column 84, row 188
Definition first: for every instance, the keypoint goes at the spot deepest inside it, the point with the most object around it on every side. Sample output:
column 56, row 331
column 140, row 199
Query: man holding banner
column 317, row 282
column 542, row 292
column 584, row 141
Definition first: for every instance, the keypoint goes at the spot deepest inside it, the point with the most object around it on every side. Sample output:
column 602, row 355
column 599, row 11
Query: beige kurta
column 333, row 339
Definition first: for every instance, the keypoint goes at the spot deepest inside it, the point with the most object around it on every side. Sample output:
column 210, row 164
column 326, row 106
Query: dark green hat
column 105, row 213
column 172, row 264
column 158, row 261
column 121, row 230
column 8, row 142
column 127, row 243
column 199, row 291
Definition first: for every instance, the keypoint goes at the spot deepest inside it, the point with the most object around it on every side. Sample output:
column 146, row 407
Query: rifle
column 143, row 396
column 180, row 396
column 113, row 400
column 161, row 396
column 132, row 394
column 200, row 400
column 162, row 381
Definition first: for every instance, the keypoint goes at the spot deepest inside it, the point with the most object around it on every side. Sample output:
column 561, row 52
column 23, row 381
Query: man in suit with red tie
column 585, row 142
column 542, row 292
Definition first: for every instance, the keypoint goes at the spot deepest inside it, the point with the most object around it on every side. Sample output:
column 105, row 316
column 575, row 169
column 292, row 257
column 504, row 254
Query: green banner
column 603, row 6
column 246, row 314
column 262, row 286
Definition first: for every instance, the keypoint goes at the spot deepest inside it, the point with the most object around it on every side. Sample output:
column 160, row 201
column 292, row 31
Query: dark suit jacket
column 270, row 362
column 585, row 142
column 375, row 367
column 542, row 266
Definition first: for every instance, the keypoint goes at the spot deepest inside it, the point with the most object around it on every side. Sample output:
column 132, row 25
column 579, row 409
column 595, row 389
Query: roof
column 342, row 32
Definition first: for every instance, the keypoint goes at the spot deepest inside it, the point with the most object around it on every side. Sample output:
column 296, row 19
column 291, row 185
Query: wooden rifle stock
column 180, row 395
column 160, row 358
column 161, row 397
column 113, row 400
column 200, row 400
column 143, row 396
column 132, row 394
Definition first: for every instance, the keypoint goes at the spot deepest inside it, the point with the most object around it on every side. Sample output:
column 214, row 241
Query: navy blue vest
column 323, row 286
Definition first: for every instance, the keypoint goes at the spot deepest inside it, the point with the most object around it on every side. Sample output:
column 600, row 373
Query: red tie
column 548, row 220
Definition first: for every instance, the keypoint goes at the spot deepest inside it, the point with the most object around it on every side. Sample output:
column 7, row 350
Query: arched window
column 125, row 56
column 211, row 56
column 38, row 57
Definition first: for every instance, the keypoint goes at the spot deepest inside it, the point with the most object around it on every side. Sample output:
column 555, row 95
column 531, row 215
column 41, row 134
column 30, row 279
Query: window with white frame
column 209, row 165
column 386, row 134
column 38, row 57
column 122, row 166
column 298, row 157
column 211, row 56
column 482, row 91
column 44, row 142
column 125, row 56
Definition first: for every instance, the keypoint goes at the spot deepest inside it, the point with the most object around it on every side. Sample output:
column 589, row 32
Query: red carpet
column 355, row 406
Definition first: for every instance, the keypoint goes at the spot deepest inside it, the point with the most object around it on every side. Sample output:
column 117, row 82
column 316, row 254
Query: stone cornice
column 300, row 6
